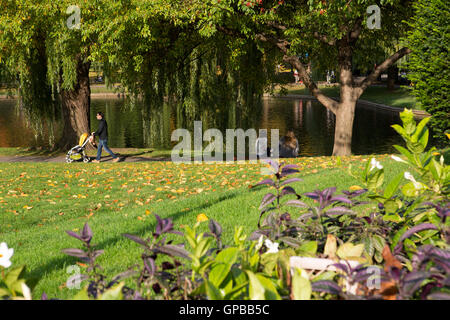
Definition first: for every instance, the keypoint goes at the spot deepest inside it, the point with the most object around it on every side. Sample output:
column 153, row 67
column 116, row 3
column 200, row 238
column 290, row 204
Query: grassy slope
column 38, row 201
column 400, row 97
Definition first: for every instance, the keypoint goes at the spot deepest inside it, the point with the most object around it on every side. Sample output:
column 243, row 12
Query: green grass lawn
column 39, row 201
column 401, row 97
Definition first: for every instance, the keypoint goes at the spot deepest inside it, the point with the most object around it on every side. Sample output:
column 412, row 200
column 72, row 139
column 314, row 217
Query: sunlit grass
column 39, row 201
column 400, row 97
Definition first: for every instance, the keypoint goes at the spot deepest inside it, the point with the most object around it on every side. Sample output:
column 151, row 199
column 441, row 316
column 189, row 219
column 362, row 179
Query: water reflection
column 131, row 124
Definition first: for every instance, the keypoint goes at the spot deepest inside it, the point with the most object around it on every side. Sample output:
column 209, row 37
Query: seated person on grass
column 289, row 146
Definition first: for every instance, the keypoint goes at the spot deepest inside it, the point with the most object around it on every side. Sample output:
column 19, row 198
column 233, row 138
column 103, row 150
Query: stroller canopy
column 83, row 138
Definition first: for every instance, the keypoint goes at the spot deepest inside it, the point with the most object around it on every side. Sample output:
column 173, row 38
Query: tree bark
column 76, row 103
column 344, row 128
column 345, row 113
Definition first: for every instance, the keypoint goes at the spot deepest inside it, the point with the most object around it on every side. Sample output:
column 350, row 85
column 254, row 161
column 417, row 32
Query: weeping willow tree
column 160, row 57
column 152, row 48
column 23, row 34
column 47, row 45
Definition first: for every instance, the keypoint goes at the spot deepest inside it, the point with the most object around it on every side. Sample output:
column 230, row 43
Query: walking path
column 125, row 155
column 62, row 159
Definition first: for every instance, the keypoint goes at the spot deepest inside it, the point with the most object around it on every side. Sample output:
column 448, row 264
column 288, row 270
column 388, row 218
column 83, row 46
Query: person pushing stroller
column 102, row 133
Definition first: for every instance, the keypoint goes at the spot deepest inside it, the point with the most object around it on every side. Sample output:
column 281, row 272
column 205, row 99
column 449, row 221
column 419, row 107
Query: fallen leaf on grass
column 202, row 217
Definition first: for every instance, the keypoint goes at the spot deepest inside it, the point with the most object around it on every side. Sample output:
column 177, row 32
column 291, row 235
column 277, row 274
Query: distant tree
column 331, row 32
column 429, row 40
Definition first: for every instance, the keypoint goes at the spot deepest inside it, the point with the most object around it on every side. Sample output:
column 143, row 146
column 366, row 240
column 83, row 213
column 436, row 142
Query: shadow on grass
column 59, row 263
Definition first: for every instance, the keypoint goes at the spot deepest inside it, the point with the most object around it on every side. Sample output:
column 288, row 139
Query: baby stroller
column 78, row 153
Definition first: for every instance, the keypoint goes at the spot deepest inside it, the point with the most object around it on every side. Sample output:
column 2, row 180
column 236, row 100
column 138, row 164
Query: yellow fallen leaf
column 202, row 217
column 355, row 188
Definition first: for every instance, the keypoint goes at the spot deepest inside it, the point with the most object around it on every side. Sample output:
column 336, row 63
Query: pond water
column 133, row 125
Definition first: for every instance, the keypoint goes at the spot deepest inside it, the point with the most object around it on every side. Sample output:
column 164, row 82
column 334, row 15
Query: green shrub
column 428, row 63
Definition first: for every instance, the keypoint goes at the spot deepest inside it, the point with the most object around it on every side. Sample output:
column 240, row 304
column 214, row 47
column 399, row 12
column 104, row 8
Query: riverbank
column 400, row 97
column 378, row 97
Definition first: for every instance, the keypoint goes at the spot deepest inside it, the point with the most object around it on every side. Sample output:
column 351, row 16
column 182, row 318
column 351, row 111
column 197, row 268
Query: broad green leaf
column 81, row 295
column 236, row 291
column 114, row 293
column 327, row 275
column 378, row 242
column 309, row 248
column 238, row 276
column 228, row 256
column 406, row 153
column 369, row 246
column 212, row 291
column 218, row 274
column 270, row 290
column 4, row 292
column 392, row 187
column 261, row 288
column 409, row 190
column 390, row 206
column 400, row 131
column 269, row 261
column 13, row 275
column 348, row 249
column 376, row 180
column 392, row 217
column 256, row 288
column 421, row 131
column 301, row 287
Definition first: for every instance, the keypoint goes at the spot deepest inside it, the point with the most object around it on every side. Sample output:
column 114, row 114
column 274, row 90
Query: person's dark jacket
column 287, row 151
column 102, row 131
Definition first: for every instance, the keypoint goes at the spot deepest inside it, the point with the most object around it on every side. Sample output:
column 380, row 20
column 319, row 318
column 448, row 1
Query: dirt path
column 62, row 159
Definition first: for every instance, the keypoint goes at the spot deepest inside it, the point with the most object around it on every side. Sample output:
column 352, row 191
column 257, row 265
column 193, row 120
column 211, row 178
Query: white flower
column 26, row 292
column 398, row 159
column 410, row 177
column 259, row 244
column 5, row 255
column 272, row 246
column 375, row 164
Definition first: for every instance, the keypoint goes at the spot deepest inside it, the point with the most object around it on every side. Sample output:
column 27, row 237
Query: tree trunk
column 345, row 113
column 76, row 105
column 392, row 77
column 344, row 128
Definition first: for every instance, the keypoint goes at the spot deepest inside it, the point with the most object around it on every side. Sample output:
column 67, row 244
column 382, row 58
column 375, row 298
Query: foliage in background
column 429, row 40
